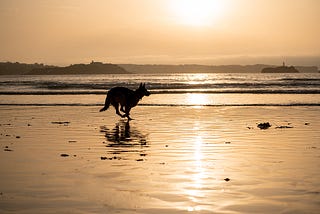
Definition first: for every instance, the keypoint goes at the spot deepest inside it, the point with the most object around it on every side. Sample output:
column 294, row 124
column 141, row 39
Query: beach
column 169, row 159
column 224, row 96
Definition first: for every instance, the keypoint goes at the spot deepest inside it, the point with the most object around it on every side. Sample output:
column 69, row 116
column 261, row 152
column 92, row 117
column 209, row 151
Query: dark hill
column 281, row 69
column 16, row 68
column 92, row 68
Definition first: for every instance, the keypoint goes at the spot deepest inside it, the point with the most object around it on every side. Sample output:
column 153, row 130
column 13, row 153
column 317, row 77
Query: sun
column 197, row 12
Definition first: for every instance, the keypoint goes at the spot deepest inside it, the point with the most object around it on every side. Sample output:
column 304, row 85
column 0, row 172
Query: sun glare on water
column 197, row 100
column 197, row 12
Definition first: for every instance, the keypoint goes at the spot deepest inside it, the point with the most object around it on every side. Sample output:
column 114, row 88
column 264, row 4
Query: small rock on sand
column 7, row 149
column 264, row 125
column 112, row 158
column 227, row 179
column 61, row 122
column 284, row 127
column 64, row 155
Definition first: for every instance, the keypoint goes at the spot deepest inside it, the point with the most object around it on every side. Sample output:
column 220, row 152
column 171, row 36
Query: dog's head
column 142, row 89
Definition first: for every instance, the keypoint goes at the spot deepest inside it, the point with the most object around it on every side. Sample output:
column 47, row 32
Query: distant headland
column 280, row 69
column 8, row 68
column 16, row 68
column 194, row 68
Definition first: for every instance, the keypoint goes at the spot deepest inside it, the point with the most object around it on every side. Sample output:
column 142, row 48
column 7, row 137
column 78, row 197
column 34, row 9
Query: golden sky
column 160, row 31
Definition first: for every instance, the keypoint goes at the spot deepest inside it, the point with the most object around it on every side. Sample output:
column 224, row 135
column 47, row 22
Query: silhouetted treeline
column 9, row 68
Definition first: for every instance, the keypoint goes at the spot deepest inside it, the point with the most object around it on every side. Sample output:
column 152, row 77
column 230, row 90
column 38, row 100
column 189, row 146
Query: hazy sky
column 160, row 31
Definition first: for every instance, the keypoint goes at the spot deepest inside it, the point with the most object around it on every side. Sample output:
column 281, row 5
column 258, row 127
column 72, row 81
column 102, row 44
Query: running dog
column 126, row 97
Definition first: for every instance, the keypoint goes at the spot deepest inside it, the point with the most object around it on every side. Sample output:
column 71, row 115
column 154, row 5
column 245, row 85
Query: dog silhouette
column 125, row 98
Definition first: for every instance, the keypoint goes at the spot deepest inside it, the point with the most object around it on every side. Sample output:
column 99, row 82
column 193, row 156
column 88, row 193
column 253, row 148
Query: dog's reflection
column 122, row 135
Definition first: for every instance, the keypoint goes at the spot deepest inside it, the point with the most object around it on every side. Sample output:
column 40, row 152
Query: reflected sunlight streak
column 197, row 99
column 196, row 78
column 197, row 177
column 195, row 192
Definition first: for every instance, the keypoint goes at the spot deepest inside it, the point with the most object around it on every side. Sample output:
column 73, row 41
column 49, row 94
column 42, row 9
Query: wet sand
column 69, row 159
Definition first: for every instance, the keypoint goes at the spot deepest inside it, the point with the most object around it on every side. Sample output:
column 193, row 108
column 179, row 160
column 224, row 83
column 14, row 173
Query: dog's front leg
column 127, row 111
column 118, row 112
column 122, row 109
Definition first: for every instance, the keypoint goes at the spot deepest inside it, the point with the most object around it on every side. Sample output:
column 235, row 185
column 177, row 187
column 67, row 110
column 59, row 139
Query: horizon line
column 161, row 64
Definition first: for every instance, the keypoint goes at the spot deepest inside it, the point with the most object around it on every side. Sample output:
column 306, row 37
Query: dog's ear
column 144, row 85
column 140, row 85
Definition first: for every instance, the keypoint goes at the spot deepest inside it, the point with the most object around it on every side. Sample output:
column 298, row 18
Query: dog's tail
column 104, row 108
column 106, row 104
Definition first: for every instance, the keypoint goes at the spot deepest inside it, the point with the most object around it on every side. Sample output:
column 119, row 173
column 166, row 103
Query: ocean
column 203, row 89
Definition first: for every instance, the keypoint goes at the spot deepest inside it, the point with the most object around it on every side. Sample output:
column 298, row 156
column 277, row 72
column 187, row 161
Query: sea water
column 207, row 89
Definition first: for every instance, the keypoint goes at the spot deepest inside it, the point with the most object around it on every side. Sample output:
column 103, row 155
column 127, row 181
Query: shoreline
column 186, row 99
column 169, row 159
